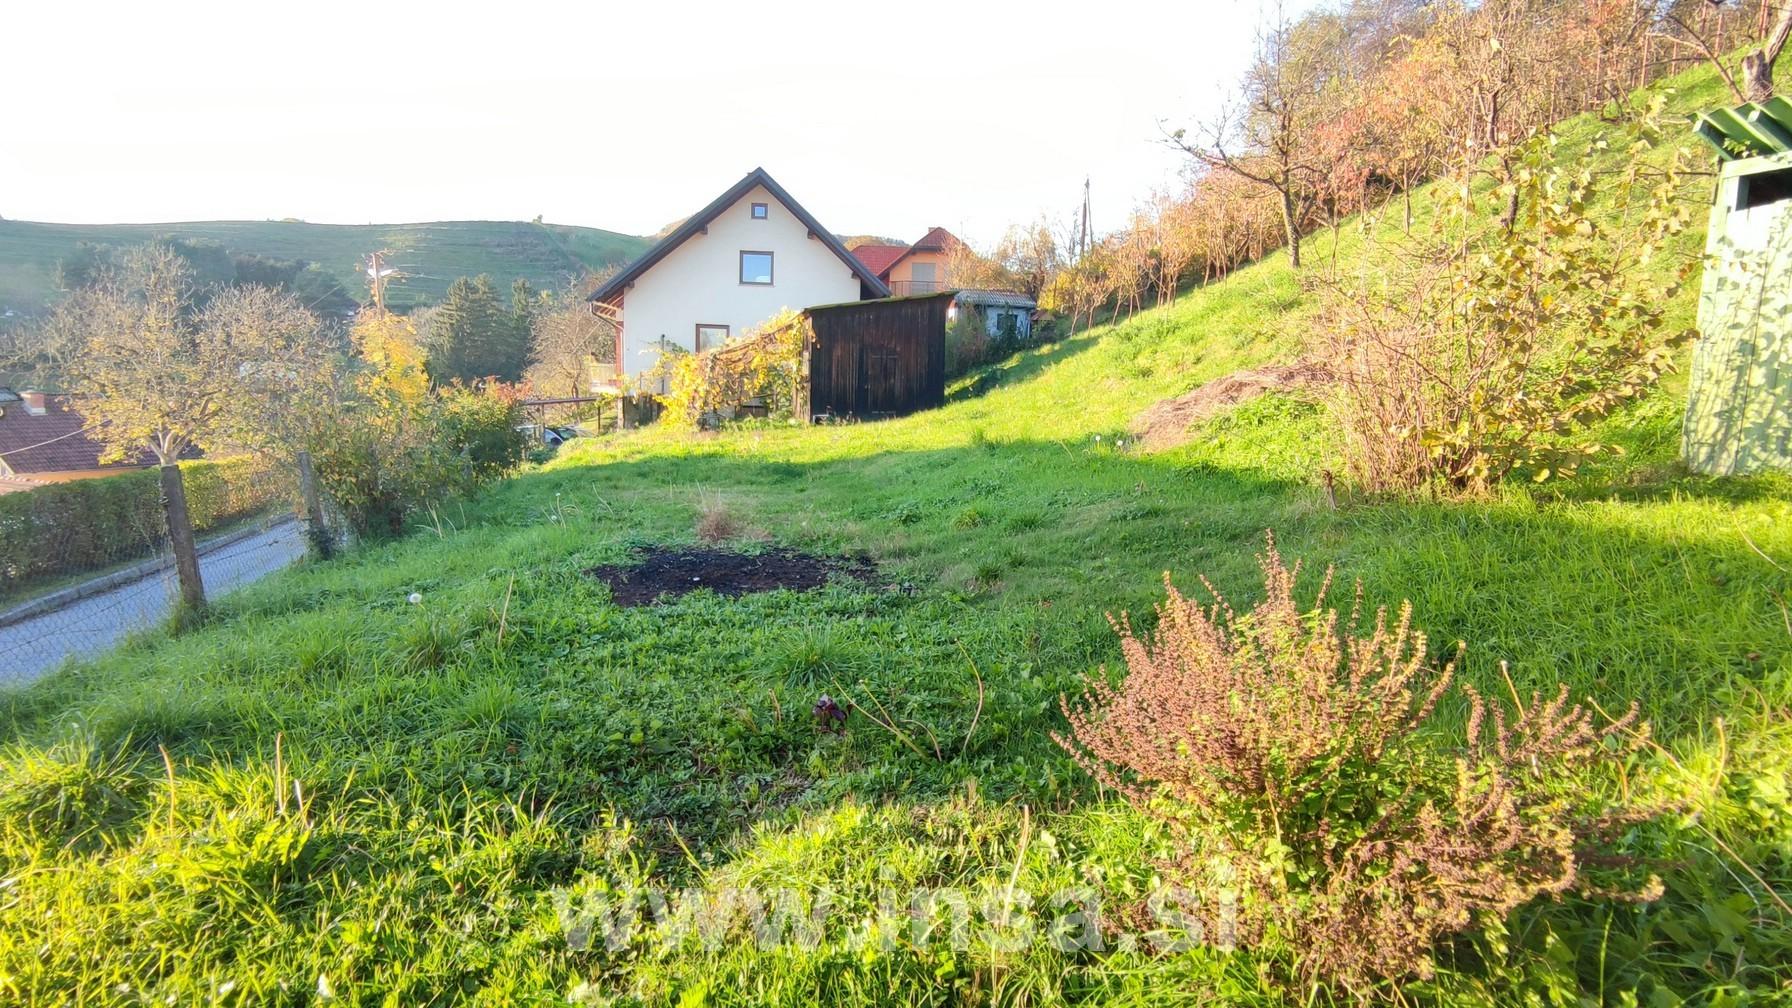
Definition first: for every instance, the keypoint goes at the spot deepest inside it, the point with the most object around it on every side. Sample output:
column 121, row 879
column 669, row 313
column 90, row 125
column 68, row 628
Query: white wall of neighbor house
column 699, row 282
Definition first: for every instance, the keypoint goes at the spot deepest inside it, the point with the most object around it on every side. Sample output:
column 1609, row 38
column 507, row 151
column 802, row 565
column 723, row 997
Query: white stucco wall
column 699, row 282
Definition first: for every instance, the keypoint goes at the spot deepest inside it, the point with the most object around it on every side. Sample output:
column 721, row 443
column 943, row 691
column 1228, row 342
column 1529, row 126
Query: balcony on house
column 903, row 288
column 603, row 377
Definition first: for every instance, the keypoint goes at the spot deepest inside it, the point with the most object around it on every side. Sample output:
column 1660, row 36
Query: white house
column 745, row 257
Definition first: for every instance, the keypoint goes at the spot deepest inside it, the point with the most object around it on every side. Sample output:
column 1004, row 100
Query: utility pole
column 378, row 275
column 1083, row 236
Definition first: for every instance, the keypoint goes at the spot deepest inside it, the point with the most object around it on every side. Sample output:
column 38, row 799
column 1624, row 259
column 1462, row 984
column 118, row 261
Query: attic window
column 1764, row 188
column 759, row 211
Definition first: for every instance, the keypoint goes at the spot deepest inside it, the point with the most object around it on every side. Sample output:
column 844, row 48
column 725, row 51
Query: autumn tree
column 566, row 338
column 287, row 385
column 32, row 356
column 1267, row 138
column 1398, row 118
column 397, row 446
column 1031, row 254
column 156, row 374
column 967, row 269
column 1130, row 264
column 1175, row 243
column 1082, row 287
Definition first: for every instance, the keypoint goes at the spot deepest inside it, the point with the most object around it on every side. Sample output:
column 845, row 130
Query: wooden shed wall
column 879, row 358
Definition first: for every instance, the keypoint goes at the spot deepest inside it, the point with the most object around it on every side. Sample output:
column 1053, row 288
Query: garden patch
column 673, row 571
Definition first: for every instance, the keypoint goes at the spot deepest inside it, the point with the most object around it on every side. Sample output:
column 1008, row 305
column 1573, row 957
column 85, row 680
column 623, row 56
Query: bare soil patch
column 675, row 570
column 1165, row 424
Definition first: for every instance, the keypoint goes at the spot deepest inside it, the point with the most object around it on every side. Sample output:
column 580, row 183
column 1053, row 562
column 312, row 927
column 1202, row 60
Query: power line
column 40, row 444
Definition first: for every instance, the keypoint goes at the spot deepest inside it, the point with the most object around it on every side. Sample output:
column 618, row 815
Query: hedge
column 64, row 529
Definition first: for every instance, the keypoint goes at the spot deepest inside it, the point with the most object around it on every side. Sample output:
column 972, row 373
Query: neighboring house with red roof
column 751, row 253
column 927, row 265
column 45, row 439
column 878, row 257
column 922, row 268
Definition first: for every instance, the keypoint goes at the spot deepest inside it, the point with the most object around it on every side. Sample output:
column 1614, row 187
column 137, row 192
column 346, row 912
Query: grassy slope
column 515, row 735
column 547, row 255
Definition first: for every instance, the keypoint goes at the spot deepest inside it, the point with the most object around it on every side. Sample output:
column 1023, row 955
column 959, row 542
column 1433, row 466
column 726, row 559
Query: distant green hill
column 432, row 254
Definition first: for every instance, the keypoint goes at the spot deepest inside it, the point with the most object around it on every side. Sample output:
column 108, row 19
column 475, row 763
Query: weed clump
column 716, row 523
column 1295, row 759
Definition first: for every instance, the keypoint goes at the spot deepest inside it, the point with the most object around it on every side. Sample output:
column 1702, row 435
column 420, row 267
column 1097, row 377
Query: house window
column 1007, row 324
column 759, row 211
column 709, row 337
column 756, row 268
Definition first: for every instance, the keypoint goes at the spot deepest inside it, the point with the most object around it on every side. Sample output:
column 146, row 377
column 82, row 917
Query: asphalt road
column 36, row 646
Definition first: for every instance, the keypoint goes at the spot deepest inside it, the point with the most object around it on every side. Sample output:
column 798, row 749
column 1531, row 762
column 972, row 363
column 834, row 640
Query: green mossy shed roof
column 1752, row 129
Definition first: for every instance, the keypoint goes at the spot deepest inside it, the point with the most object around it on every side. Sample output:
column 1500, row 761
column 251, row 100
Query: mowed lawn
column 334, row 793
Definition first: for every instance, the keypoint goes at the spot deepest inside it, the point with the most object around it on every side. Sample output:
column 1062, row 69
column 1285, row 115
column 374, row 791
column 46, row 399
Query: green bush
column 65, row 529
column 1480, row 352
column 480, row 429
column 970, row 344
column 967, row 344
column 387, row 458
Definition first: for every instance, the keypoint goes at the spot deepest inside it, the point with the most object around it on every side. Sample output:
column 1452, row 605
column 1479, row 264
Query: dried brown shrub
column 1295, row 758
column 716, row 522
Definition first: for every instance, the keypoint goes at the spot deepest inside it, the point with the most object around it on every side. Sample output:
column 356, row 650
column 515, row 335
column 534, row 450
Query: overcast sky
column 880, row 118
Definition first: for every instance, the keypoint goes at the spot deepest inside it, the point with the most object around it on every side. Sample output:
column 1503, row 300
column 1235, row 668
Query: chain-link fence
column 85, row 564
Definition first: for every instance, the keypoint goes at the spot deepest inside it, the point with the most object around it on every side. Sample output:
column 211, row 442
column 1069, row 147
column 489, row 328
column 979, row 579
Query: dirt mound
column 677, row 570
column 1165, row 424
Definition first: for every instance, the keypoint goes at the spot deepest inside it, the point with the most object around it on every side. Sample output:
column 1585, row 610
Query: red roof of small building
column 937, row 239
column 879, row 258
column 55, row 441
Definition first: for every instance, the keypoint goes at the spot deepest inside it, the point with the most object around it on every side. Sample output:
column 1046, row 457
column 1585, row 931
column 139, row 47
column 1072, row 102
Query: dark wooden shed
column 874, row 359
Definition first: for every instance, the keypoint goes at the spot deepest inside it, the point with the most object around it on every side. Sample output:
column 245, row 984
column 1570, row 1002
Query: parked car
column 550, row 434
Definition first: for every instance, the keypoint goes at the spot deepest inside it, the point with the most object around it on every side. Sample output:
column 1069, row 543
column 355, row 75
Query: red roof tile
column 937, row 239
column 56, row 441
column 879, row 258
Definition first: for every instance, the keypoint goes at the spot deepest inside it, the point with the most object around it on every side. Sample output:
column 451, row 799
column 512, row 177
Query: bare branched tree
column 566, row 339
column 968, row 269
column 1176, row 242
column 1266, row 136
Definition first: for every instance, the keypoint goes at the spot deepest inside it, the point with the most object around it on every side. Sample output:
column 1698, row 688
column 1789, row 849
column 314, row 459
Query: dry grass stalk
column 716, row 522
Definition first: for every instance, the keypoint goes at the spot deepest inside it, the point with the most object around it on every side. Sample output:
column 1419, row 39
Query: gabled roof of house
column 879, row 258
column 55, row 441
column 613, row 289
column 937, row 239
